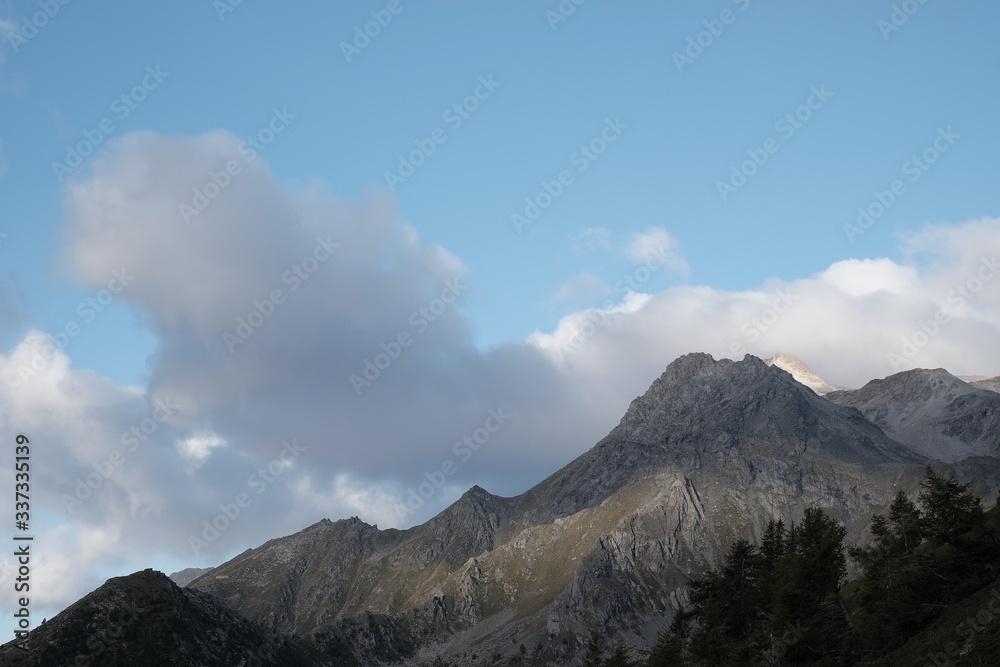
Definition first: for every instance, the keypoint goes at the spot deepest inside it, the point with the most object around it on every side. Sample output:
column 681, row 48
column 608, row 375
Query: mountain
column 801, row 372
column 983, row 382
column 187, row 575
column 146, row 619
column 710, row 453
column 932, row 411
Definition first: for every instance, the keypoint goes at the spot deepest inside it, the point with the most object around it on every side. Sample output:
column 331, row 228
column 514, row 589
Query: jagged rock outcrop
column 932, row 411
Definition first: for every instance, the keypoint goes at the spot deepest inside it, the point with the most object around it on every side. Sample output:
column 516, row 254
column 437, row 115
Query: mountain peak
column 801, row 372
column 178, row 626
column 932, row 411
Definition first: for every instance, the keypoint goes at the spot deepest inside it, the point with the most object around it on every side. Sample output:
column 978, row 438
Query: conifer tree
column 621, row 654
column 668, row 651
column 594, row 656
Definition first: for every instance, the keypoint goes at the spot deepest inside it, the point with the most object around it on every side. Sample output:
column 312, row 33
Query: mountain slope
column 983, row 382
column 932, row 411
column 187, row 575
column 711, row 452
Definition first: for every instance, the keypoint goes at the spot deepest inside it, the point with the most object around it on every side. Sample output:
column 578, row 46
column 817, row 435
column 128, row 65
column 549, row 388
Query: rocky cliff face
column 932, row 411
column 709, row 454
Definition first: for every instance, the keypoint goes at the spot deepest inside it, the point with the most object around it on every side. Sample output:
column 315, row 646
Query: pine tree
column 730, row 608
column 668, row 651
column 621, row 655
column 950, row 510
column 594, row 656
column 907, row 524
column 807, row 601
column 921, row 560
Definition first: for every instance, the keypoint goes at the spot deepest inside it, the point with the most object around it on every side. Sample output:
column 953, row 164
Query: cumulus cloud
column 313, row 354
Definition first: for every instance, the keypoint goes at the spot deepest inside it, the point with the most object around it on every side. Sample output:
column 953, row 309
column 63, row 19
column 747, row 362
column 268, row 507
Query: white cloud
column 290, row 379
column 198, row 448
column 861, row 277
column 656, row 243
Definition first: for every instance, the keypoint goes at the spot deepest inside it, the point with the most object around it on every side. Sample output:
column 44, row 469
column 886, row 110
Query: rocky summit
column 710, row 453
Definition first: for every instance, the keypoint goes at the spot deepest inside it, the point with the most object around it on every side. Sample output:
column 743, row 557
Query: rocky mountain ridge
column 710, row 453
column 932, row 411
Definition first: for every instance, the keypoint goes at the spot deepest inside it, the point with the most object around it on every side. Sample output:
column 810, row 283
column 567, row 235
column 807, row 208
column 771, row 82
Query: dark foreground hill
column 145, row 619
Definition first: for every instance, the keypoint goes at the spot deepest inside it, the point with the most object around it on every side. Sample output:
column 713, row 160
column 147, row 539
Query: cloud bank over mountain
column 314, row 360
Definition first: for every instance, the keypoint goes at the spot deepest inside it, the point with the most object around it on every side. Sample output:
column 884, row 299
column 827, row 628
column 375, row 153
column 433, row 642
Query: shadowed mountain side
column 146, row 619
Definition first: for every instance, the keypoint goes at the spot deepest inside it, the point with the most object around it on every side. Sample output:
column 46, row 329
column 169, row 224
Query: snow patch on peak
column 801, row 372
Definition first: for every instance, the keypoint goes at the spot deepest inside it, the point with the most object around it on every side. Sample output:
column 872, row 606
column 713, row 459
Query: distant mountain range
column 710, row 453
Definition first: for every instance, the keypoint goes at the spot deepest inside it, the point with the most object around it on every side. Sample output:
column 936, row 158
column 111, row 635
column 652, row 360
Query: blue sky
column 834, row 100
column 685, row 130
